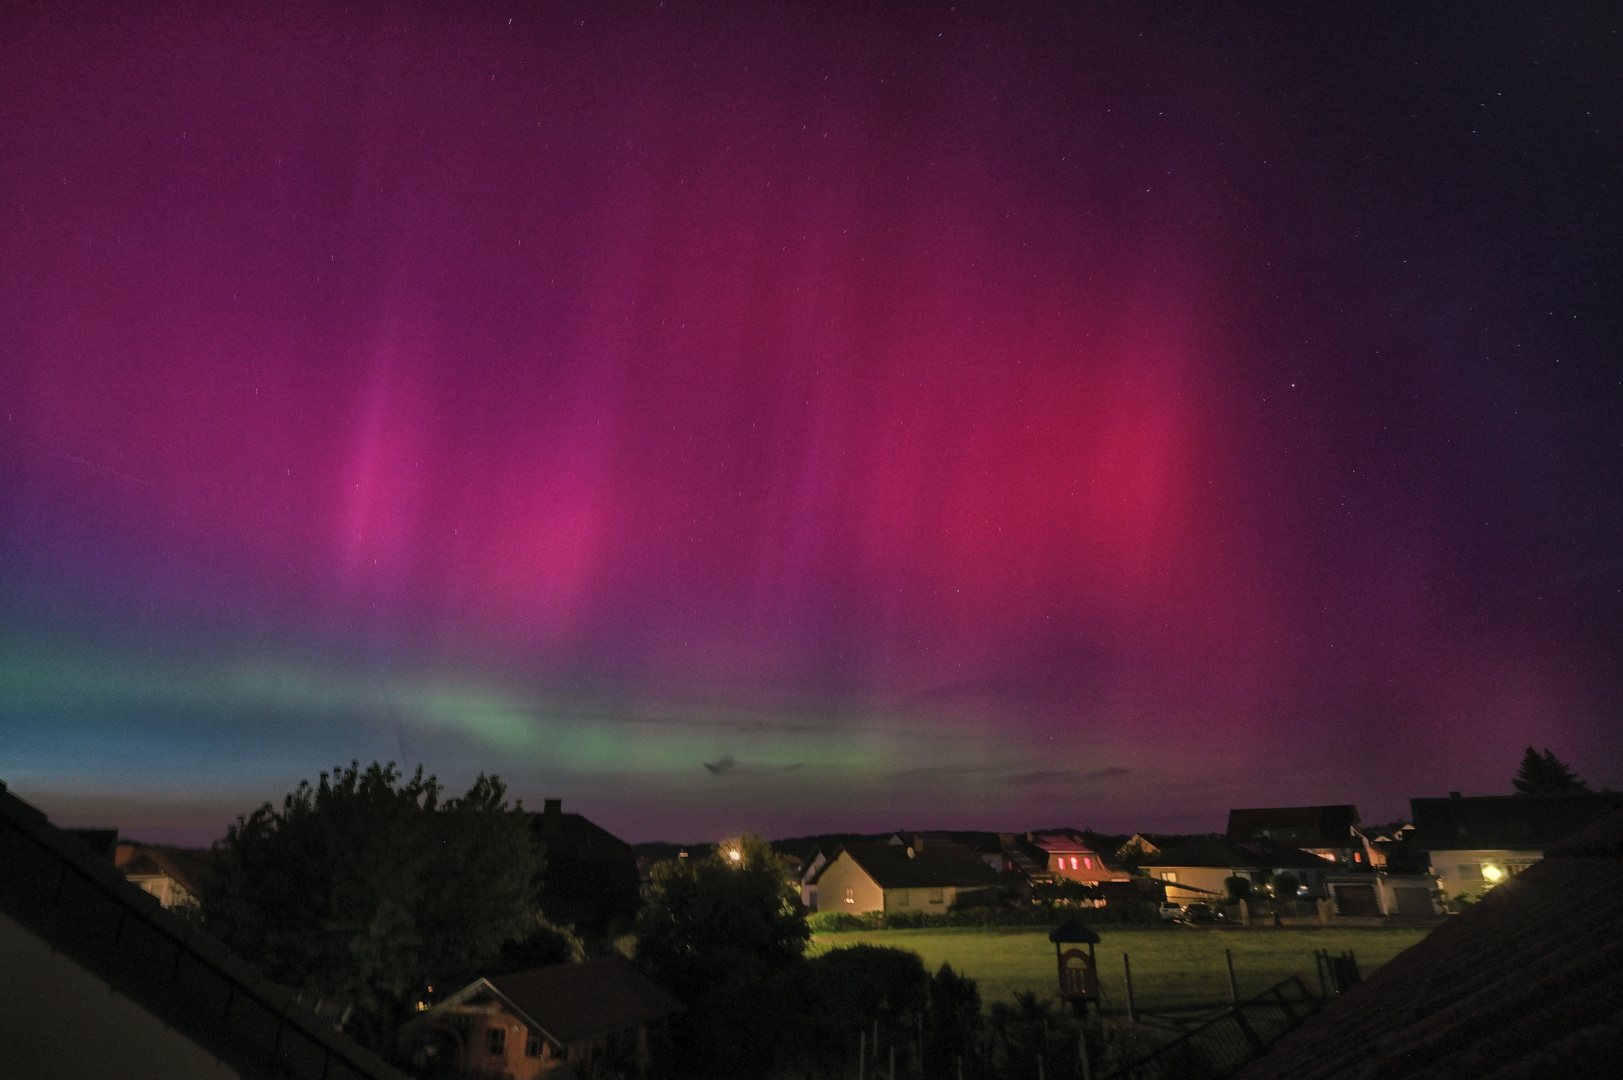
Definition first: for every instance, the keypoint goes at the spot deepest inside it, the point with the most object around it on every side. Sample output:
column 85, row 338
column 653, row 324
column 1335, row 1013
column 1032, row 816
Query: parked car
column 1171, row 913
column 1202, row 913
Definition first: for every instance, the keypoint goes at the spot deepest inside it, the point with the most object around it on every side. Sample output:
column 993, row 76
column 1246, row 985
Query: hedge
column 834, row 922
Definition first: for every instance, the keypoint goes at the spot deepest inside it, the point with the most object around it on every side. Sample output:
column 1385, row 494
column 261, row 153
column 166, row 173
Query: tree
column 1545, row 774
column 1286, row 886
column 1237, row 887
column 366, row 886
column 726, row 934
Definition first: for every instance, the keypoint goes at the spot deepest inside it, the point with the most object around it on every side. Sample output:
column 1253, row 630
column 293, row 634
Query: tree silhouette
column 1545, row 774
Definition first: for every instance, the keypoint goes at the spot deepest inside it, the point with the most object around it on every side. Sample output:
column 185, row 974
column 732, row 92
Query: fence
column 1241, row 1034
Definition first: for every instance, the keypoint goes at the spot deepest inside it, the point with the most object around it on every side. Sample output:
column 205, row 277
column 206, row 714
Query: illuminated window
column 850, row 896
column 1087, row 863
column 1358, row 856
column 1073, row 862
column 496, row 1041
column 1169, row 875
column 903, row 898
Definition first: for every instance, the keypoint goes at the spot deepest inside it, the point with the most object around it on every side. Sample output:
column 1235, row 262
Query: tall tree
column 1546, row 774
column 366, row 886
column 726, row 934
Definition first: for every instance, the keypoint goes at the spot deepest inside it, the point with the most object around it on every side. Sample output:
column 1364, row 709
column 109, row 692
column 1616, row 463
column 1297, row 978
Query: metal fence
column 1220, row 1047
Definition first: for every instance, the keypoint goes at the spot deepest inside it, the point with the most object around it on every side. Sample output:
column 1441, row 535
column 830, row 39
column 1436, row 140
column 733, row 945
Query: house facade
column 1197, row 869
column 890, row 877
column 533, row 1023
column 173, row 875
column 1474, row 844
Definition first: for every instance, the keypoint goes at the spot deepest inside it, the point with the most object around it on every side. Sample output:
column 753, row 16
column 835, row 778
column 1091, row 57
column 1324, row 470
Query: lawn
column 1174, row 967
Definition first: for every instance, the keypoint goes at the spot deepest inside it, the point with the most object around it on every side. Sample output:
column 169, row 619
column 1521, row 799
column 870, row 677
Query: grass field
column 1174, row 967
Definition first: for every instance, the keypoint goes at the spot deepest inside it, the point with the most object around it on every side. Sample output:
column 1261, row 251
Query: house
column 173, row 875
column 1064, row 856
column 1197, row 869
column 921, row 876
column 1524, row 984
column 1477, row 843
column 544, row 1020
column 118, row 986
column 590, row 881
column 1330, row 832
column 811, row 867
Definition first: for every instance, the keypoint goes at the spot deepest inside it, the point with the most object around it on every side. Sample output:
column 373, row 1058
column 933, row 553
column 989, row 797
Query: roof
column 1058, row 843
column 1512, row 822
column 937, row 866
column 1303, row 826
column 570, row 1002
column 1215, row 851
column 1524, row 984
column 85, row 909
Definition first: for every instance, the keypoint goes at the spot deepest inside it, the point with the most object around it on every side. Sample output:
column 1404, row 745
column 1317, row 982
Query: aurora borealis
column 938, row 416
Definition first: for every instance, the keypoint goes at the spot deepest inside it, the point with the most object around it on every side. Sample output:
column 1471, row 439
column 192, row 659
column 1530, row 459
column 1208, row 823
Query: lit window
column 1087, row 863
column 496, row 1041
column 1169, row 875
column 1358, row 856
column 850, row 896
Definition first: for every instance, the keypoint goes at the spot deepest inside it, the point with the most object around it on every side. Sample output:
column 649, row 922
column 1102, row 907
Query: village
column 100, row 910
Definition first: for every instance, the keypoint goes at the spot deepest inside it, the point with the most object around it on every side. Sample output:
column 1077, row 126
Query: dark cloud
column 1064, row 776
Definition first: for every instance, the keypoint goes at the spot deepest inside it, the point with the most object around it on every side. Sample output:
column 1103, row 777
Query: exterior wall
column 842, row 874
column 513, row 1061
column 1210, row 878
column 1060, row 867
column 169, row 892
column 1391, row 883
column 1446, row 866
column 936, row 900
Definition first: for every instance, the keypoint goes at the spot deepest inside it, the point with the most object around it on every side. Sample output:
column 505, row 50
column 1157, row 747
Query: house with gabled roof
column 174, row 875
column 1330, row 832
column 1062, row 856
column 920, row 876
column 1477, row 843
column 1196, row 869
column 554, row 1020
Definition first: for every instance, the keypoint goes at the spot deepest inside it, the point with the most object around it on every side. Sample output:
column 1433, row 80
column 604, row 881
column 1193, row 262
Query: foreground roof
column 1525, row 984
column 937, row 866
column 86, row 910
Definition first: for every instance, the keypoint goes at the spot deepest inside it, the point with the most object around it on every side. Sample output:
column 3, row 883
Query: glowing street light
column 1492, row 872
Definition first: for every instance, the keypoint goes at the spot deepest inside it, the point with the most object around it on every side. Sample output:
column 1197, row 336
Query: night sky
column 801, row 417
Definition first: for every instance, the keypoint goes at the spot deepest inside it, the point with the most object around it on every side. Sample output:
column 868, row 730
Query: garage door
column 1356, row 900
column 1413, row 901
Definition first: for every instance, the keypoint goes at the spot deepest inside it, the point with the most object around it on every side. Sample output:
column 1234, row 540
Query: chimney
column 552, row 815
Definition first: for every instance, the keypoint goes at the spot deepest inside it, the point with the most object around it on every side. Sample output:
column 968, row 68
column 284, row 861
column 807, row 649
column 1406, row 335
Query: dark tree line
column 1546, row 774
